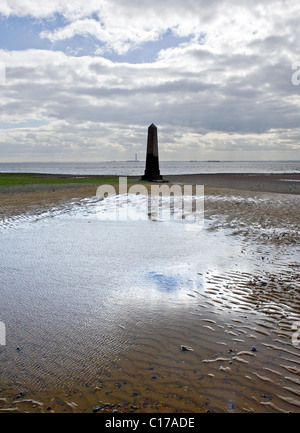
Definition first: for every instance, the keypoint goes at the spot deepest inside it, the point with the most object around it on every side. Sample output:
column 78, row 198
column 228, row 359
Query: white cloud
column 122, row 26
column 37, row 9
column 226, row 90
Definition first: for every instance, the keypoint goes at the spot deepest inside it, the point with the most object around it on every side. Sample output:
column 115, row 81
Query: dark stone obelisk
column 152, row 172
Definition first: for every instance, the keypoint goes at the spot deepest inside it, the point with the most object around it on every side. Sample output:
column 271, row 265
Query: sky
column 82, row 80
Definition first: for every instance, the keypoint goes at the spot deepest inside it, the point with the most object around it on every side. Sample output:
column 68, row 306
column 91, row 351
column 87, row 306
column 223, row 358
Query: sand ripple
column 239, row 320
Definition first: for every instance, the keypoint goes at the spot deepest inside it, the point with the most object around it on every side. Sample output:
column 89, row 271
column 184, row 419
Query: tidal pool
column 96, row 311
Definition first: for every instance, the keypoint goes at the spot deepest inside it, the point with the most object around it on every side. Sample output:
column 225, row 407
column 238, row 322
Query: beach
column 198, row 322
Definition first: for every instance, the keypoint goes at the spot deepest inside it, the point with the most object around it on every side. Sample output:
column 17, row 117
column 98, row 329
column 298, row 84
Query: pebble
column 186, row 348
column 226, row 369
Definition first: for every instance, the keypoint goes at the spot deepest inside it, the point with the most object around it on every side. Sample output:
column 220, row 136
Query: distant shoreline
column 167, row 168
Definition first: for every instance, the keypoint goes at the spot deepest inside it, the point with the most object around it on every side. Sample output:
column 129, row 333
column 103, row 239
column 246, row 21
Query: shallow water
column 136, row 168
column 96, row 311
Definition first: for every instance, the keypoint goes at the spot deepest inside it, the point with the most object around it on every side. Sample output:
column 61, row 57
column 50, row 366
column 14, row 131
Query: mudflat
column 230, row 294
column 22, row 198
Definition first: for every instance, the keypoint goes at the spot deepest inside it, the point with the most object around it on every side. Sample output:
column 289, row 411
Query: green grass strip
column 16, row 179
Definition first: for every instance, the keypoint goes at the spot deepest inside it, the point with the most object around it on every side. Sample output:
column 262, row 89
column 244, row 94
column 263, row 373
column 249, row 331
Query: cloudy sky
column 82, row 80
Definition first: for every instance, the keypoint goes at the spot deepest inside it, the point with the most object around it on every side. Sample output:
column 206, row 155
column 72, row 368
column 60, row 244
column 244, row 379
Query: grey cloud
column 237, row 88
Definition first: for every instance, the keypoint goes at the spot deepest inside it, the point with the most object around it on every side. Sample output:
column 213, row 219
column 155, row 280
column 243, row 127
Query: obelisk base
column 152, row 176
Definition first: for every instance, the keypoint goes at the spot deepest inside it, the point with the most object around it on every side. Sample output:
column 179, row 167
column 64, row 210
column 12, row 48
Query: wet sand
column 15, row 200
column 280, row 183
column 238, row 319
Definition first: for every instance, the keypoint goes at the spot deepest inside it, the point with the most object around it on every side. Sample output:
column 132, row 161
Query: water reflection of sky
column 171, row 283
column 72, row 284
column 164, row 283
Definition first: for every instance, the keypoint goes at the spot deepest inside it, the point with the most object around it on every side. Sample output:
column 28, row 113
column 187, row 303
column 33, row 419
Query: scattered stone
column 96, row 409
column 253, row 349
column 186, row 348
column 267, row 396
column 231, row 404
column 226, row 369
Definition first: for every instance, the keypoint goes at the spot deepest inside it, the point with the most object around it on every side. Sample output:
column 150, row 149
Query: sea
column 136, row 168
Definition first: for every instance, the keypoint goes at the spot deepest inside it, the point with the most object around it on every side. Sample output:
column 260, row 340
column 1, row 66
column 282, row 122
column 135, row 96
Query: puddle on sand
column 96, row 313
